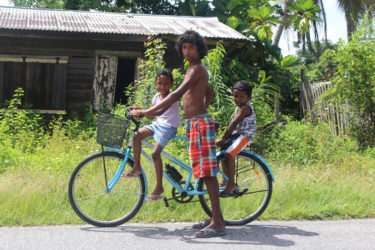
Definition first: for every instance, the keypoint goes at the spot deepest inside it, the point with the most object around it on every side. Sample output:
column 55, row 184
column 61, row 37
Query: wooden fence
column 315, row 109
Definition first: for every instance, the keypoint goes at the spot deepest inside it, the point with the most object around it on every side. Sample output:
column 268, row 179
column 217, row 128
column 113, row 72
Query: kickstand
column 166, row 202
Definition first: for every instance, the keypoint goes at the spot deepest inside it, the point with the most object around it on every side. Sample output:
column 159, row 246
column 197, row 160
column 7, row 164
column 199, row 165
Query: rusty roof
column 14, row 18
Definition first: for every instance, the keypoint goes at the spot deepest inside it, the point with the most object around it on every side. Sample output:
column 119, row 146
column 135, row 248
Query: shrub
column 21, row 128
column 354, row 81
column 303, row 144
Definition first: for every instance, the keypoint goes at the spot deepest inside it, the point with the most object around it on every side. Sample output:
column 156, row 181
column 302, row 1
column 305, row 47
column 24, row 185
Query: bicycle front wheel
column 90, row 197
column 254, row 185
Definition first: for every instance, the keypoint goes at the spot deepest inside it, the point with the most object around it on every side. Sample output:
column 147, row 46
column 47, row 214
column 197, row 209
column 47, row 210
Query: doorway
column 125, row 77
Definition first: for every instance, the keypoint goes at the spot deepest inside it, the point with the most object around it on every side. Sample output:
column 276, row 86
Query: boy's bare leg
column 225, row 170
column 137, row 144
column 229, row 162
column 158, row 169
column 217, row 220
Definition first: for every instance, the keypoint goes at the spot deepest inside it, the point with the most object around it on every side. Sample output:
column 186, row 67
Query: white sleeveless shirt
column 171, row 116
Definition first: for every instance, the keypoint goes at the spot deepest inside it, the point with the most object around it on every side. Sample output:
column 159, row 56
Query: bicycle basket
column 111, row 130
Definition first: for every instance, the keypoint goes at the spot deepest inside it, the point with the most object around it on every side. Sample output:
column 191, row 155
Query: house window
column 43, row 80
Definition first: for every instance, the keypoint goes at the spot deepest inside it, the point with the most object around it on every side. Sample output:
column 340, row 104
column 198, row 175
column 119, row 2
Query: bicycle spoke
column 252, row 177
column 89, row 196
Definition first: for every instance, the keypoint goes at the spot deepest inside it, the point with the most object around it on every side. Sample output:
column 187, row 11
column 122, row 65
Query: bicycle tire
column 251, row 174
column 90, row 199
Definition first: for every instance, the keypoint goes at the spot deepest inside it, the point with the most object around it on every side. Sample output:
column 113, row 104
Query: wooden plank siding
column 1, row 84
column 44, row 84
column 80, row 77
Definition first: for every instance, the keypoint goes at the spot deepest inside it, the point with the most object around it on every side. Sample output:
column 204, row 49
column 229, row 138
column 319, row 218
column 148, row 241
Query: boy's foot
column 223, row 183
column 225, row 194
column 155, row 197
column 129, row 175
column 229, row 192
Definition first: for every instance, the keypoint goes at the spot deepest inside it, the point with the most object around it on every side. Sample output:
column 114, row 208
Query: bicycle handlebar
column 129, row 114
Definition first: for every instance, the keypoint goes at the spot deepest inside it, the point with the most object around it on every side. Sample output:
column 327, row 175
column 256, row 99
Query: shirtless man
column 196, row 96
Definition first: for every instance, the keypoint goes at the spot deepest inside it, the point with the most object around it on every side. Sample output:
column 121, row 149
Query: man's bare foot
column 158, row 191
column 216, row 228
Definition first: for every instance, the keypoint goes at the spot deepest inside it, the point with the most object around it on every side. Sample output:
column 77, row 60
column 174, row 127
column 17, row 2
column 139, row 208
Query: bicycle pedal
column 166, row 202
column 242, row 192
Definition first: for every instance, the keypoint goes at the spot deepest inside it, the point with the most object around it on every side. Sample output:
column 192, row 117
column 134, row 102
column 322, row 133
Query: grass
column 34, row 190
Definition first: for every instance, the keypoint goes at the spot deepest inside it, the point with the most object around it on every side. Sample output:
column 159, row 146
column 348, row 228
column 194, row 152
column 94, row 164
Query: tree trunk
column 278, row 33
column 303, row 45
column 317, row 42
column 350, row 27
column 309, row 45
column 325, row 23
column 277, row 106
column 104, row 83
column 281, row 26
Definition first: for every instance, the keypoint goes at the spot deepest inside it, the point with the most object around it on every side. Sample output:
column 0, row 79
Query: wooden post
column 308, row 95
column 277, row 106
column 104, row 82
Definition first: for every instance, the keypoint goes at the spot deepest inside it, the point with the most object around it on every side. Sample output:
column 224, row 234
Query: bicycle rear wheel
column 90, row 199
column 254, row 182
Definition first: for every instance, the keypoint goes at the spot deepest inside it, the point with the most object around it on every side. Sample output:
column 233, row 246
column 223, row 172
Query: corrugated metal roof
column 112, row 23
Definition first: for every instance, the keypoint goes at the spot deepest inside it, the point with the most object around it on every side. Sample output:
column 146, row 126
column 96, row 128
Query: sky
column 336, row 27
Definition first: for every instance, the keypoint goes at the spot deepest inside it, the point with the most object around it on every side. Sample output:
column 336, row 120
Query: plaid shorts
column 200, row 133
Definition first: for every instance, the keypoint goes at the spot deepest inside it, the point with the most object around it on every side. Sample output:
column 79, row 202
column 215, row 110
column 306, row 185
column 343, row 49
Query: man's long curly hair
column 191, row 36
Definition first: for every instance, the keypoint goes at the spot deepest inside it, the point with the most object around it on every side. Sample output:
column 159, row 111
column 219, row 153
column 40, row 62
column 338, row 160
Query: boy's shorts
column 235, row 144
column 200, row 132
column 162, row 133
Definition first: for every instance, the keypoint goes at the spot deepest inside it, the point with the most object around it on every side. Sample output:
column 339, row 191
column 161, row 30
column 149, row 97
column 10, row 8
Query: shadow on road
column 265, row 235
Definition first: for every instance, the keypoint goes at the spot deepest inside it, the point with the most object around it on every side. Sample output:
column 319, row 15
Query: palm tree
column 324, row 21
column 263, row 18
column 282, row 24
column 303, row 12
column 354, row 10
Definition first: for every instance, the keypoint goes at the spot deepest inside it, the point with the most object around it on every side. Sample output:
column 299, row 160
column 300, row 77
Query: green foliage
column 305, row 12
column 264, row 18
column 222, row 103
column 52, row 4
column 20, row 128
column 74, row 128
column 144, row 88
column 354, row 81
column 23, row 131
column 304, row 144
column 252, row 17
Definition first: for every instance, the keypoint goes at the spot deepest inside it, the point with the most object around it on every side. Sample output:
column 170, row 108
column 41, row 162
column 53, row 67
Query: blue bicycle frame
column 127, row 154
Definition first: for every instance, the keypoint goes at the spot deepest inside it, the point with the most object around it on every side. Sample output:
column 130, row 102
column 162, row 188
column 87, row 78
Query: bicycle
column 100, row 197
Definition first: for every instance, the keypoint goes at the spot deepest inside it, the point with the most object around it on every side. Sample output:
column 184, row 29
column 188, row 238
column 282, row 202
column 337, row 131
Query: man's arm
column 208, row 96
column 192, row 76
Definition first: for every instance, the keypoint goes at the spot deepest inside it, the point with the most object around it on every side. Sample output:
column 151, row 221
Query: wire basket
column 111, row 130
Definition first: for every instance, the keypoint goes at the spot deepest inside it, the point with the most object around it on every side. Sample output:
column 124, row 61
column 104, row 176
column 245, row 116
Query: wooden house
column 65, row 60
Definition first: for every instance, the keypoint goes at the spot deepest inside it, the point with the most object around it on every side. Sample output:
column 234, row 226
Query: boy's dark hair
column 164, row 72
column 191, row 36
column 244, row 85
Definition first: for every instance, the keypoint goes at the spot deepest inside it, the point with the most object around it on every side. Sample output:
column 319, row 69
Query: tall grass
column 318, row 176
column 34, row 191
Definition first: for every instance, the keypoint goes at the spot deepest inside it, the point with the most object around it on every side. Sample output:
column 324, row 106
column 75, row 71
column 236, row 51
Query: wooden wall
column 81, row 71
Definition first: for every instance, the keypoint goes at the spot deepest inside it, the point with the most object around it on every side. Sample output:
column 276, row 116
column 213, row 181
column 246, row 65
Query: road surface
column 350, row 234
